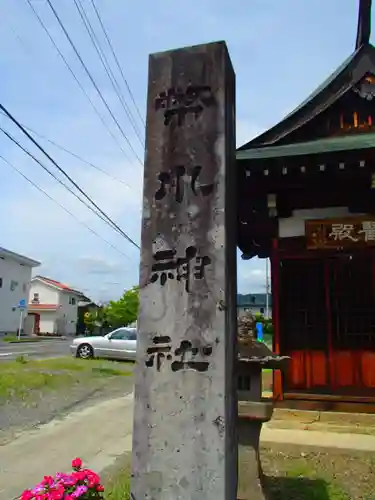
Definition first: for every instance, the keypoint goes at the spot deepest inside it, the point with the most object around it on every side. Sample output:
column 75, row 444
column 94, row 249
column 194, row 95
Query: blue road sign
column 22, row 304
column 259, row 328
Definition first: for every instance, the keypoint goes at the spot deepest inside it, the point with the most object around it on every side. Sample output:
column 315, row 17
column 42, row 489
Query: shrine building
column 306, row 200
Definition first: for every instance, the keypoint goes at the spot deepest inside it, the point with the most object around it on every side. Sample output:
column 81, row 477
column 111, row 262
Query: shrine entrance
column 327, row 323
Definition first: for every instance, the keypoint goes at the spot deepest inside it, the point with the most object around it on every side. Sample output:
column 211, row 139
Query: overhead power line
column 116, row 60
column 76, row 79
column 99, row 169
column 28, row 153
column 61, row 206
column 11, row 117
column 107, row 67
column 92, row 80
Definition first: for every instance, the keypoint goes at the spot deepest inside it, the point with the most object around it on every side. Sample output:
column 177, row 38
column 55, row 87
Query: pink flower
column 56, row 495
column 79, row 475
column 92, row 478
column 77, row 463
column 42, row 496
column 64, row 479
column 85, row 483
column 47, row 481
column 56, row 492
column 80, row 490
column 27, row 495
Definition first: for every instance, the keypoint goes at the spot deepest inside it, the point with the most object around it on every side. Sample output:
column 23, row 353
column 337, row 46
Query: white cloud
column 100, row 266
column 251, row 275
column 38, row 227
column 258, row 273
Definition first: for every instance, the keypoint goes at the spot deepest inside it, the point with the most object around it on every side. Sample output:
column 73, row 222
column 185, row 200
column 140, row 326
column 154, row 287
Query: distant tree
column 124, row 311
column 95, row 318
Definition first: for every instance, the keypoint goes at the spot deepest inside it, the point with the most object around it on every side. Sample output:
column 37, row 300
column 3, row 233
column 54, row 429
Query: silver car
column 120, row 344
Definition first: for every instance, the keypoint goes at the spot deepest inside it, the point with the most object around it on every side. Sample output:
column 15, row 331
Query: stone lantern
column 253, row 409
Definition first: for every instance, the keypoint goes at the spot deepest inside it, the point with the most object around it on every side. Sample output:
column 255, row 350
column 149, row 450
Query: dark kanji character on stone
column 176, row 102
column 205, row 189
column 175, row 182
column 183, row 266
column 185, row 362
column 158, row 352
column 164, row 266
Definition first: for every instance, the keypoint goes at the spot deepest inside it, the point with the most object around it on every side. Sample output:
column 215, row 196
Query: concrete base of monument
column 251, row 416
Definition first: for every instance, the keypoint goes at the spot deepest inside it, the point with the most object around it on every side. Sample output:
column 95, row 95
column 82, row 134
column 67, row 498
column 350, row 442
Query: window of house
column 1, row 282
column 262, row 310
column 13, row 285
column 72, row 301
column 36, row 298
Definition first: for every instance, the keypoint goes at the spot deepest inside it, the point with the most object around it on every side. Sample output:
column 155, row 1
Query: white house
column 15, row 276
column 53, row 307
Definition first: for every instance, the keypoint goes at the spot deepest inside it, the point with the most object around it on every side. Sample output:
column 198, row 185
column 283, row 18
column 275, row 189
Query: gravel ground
column 294, row 473
column 42, row 407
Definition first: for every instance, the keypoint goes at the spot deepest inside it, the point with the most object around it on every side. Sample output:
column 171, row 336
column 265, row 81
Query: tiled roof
column 327, row 145
column 62, row 287
column 58, row 284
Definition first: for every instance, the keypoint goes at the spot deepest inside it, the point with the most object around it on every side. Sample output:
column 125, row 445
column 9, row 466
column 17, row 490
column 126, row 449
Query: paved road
column 34, row 350
column 97, row 434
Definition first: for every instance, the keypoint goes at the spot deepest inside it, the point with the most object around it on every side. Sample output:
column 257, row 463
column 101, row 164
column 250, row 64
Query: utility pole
column 267, row 289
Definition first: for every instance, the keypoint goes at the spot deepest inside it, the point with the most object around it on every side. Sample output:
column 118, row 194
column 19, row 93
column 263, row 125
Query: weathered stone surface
column 250, row 478
column 184, row 442
column 255, row 410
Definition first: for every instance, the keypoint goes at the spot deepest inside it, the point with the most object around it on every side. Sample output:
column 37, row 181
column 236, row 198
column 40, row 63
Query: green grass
column 19, row 378
column 119, row 487
column 292, row 473
column 14, row 338
column 117, row 482
column 317, row 487
column 295, row 487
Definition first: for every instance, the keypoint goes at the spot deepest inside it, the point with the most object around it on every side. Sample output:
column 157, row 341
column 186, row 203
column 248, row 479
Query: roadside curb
column 41, row 339
column 22, row 342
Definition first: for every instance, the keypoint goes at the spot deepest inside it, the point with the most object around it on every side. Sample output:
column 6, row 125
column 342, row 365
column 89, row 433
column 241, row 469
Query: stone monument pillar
column 184, row 439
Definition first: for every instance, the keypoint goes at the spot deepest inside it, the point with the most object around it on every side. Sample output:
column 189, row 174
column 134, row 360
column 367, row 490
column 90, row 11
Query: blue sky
column 281, row 50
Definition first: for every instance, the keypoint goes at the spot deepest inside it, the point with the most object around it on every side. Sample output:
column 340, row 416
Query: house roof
column 329, row 145
column 85, row 303
column 18, row 257
column 57, row 284
column 350, row 73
